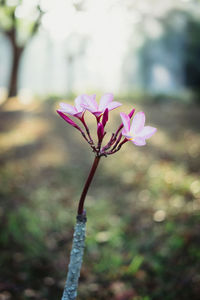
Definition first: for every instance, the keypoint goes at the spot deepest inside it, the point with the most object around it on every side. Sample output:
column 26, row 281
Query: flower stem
column 87, row 130
column 117, row 142
column 76, row 257
column 112, row 151
column 87, row 185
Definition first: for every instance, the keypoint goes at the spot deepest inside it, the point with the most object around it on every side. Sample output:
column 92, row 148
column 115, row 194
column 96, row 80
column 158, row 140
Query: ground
column 143, row 207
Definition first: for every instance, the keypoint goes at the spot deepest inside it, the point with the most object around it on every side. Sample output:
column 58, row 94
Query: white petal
column 138, row 123
column 78, row 103
column 138, row 141
column 147, row 132
column 105, row 100
column 127, row 134
column 89, row 103
column 126, row 122
column 67, row 108
column 113, row 105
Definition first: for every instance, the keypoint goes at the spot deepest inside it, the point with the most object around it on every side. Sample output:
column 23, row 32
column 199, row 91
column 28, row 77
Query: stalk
column 88, row 132
column 78, row 244
column 87, row 185
column 76, row 258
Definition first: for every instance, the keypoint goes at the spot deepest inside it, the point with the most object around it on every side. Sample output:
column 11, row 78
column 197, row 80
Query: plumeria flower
column 77, row 110
column 106, row 101
column 136, row 132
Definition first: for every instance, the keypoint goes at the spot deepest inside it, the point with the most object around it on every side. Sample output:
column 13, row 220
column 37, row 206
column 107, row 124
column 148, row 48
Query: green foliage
column 135, row 264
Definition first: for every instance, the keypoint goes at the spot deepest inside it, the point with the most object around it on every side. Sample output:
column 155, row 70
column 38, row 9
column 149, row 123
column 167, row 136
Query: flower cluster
column 136, row 132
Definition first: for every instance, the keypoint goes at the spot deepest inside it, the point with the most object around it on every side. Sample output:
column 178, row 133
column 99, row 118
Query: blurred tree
column 176, row 53
column 19, row 20
column 192, row 66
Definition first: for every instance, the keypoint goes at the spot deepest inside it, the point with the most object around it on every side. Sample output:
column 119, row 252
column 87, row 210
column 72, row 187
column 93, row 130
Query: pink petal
column 121, row 126
column 67, row 108
column 126, row 122
column 147, row 132
column 78, row 102
column 89, row 103
column 126, row 134
column 113, row 105
column 138, row 123
column 138, row 141
column 105, row 100
column 92, row 97
column 79, row 115
column 93, row 101
column 97, row 113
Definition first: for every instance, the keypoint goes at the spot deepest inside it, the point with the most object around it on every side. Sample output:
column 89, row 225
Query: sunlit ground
column 143, row 208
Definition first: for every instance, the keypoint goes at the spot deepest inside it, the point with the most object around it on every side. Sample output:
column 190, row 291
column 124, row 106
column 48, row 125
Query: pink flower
column 76, row 111
column 136, row 132
column 106, row 101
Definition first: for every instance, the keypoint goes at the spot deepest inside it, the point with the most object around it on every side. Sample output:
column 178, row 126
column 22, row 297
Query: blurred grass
column 143, row 207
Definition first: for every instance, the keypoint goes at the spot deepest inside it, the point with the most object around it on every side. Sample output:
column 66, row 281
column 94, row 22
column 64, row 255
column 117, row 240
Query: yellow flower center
column 131, row 138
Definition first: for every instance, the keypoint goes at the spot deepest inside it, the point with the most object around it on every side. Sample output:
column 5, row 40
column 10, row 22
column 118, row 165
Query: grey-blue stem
column 76, row 258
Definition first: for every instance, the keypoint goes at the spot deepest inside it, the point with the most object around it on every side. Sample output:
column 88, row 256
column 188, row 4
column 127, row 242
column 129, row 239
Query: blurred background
column 143, row 230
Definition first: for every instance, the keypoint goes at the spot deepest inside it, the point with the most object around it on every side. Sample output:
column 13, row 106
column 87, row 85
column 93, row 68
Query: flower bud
column 131, row 113
column 105, row 117
column 100, row 131
column 68, row 120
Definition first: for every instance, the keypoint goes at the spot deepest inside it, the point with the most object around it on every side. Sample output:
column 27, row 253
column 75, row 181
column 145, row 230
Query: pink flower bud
column 131, row 113
column 100, row 131
column 68, row 120
column 105, row 117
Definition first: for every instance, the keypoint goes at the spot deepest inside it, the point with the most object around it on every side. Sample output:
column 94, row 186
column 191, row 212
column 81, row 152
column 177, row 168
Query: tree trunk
column 17, row 51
